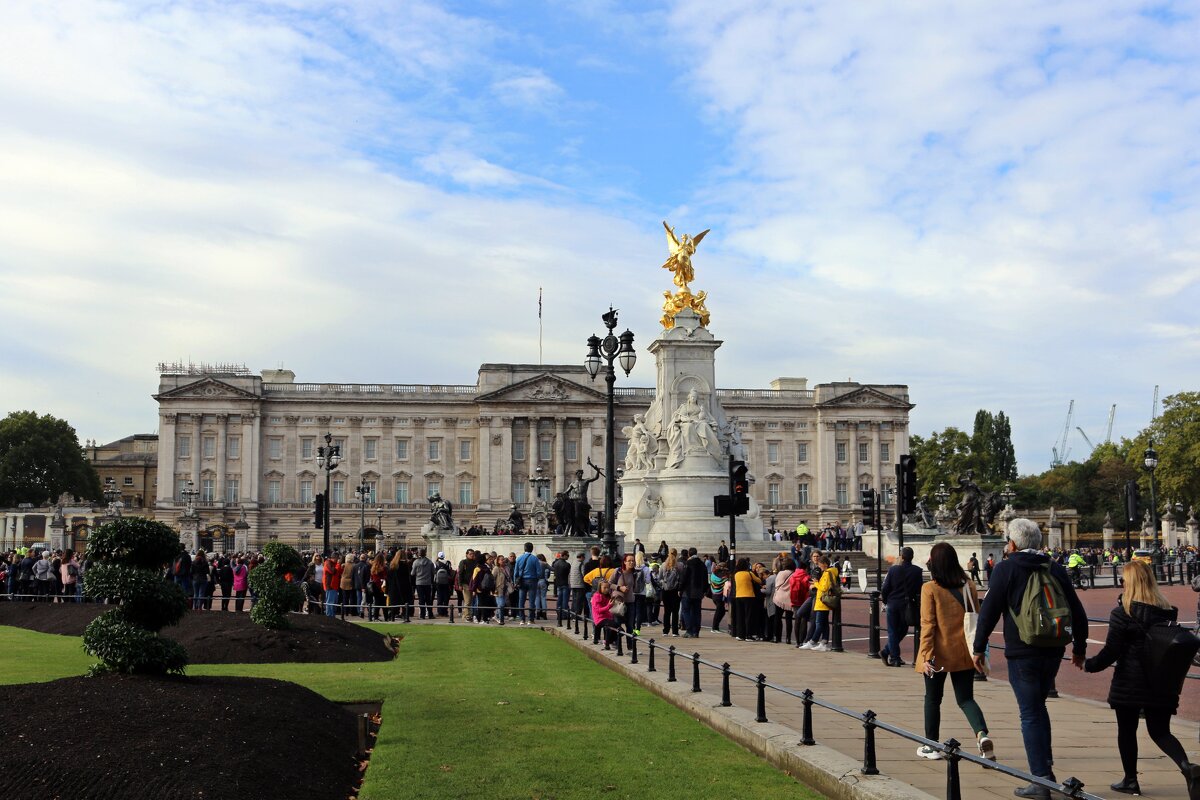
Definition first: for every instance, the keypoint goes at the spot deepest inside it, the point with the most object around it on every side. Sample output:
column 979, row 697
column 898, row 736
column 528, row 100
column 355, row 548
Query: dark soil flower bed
column 220, row 637
column 162, row 738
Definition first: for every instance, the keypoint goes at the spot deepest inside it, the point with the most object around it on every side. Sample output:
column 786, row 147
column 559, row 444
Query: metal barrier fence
column 951, row 750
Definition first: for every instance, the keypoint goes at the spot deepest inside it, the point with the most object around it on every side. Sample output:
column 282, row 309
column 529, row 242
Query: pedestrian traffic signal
column 868, row 507
column 741, row 487
column 1131, row 501
column 319, row 511
column 908, row 484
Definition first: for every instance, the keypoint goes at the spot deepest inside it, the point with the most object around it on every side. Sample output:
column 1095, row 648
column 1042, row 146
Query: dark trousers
column 226, row 592
column 425, row 600
column 578, row 600
column 963, row 682
column 897, row 629
column 443, row 599
column 719, row 614
column 670, row 618
column 743, row 617
column 1158, row 725
column 239, row 601
column 690, row 612
column 1031, row 680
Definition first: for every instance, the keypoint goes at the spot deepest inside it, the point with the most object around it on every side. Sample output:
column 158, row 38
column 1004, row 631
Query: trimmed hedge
column 274, row 594
column 129, row 555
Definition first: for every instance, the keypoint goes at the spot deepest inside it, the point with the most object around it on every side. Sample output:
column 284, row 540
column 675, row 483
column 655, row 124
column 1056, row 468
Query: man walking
column 695, row 586
column 527, row 572
column 1035, row 637
column 578, row 588
column 973, row 568
column 900, row 592
column 422, row 578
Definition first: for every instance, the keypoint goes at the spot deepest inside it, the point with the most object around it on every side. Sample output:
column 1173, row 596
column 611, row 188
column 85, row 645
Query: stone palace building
column 248, row 444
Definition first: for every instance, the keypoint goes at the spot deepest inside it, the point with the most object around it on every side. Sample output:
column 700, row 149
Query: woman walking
column 944, row 651
column 781, row 600
column 1133, row 690
column 200, row 572
column 670, row 578
column 375, row 595
column 240, row 574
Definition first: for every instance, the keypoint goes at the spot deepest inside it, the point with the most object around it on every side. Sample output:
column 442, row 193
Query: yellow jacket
column 829, row 579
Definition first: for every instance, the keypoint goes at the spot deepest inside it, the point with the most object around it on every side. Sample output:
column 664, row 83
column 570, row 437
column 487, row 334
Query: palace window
column 841, row 452
column 772, row 452
column 402, row 449
column 773, row 493
column 207, row 493
column 885, row 453
column 802, row 452
column 210, row 446
column 518, row 448
column 842, row 492
column 518, row 491
column 433, row 487
column 306, row 449
column 233, row 446
column 129, row 480
column 370, row 449
column 464, row 493
column 864, row 452
column 231, row 490
column 274, row 495
column 572, row 450
column 544, row 453
column 435, row 449
column 464, row 449
column 339, row 491
column 275, row 447
column 306, row 491
column 401, row 491
column 803, row 494
column 184, row 446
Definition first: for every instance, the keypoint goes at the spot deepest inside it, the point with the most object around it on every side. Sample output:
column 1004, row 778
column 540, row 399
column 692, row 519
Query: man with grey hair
column 1031, row 667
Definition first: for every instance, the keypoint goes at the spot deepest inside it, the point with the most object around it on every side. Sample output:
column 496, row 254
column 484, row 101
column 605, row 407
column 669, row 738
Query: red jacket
column 331, row 575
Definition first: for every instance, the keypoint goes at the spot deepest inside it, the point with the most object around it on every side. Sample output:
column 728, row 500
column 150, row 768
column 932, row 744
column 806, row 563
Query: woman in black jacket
column 1132, row 690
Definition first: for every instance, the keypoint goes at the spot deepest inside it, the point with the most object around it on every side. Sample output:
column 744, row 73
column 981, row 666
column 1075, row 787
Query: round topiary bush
column 274, row 594
column 128, row 556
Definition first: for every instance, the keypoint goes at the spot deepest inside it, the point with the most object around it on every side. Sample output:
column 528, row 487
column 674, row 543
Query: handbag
column 618, row 607
column 971, row 622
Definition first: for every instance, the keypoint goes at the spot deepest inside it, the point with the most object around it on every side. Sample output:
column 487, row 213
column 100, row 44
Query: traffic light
column 908, row 484
column 1131, row 501
column 319, row 511
column 741, row 487
column 868, row 507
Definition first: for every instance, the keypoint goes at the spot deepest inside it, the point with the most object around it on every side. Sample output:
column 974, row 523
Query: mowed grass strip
column 473, row 712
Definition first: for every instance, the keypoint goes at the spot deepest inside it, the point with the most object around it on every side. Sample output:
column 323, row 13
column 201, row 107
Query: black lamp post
column 328, row 457
column 189, row 499
column 379, row 528
column 362, row 493
column 112, row 496
column 1150, row 459
column 608, row 350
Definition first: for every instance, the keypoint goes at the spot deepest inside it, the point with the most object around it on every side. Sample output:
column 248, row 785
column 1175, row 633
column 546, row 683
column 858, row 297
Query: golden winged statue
column 682, row 249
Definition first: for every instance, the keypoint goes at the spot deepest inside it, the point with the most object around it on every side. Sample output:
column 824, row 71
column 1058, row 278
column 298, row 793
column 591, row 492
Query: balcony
column 367, row 389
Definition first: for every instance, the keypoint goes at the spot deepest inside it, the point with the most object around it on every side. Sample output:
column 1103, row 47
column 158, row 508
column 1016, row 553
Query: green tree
column 941, row 458
column 992, row 455
column 40, row 458
column 1176, row 435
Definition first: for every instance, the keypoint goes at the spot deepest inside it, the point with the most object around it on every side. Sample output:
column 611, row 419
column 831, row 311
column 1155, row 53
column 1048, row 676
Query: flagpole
column 539, row 326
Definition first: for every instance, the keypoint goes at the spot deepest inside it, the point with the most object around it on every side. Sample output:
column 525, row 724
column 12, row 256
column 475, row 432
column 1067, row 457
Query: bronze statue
column 977, row 510
column 441, row 512
column 579, row 518
column 682, row 248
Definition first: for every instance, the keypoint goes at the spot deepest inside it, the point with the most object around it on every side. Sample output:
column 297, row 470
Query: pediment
column 866, row 397
column 545, row 388
column 207, row 389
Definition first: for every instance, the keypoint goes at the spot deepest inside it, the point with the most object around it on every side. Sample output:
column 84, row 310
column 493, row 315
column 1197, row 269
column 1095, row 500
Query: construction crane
column 1112, row 412
column 1154, row 405
column 1062, row 447
column 1085, row 437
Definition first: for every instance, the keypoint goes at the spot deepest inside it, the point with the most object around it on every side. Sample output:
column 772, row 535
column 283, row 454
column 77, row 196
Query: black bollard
column 633, row 650
column 695, row 672
column 835, row 639
column 806, row 726
column 762, row 698
column 650, row 666
column 873, row 636
column 725, row 702
column 868, row 767
column 953, row 785
column 671, row 664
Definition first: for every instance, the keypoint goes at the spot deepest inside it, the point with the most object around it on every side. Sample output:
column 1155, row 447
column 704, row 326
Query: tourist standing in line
column 70, row 577
column 578, row 587
column 376, row 578
column 900, row 591
column 561, row 570
column 331, row 581
column 746, row 585
column 602, row 616
column 200, row 572
column 695, row 587
column 462, row 583
column 443, row 578
column 828, row 582
column 526, row 573
column 422, row 578
column 505, row 583
column 800, row 595
column 670, row 579
column 224, row 578
column 718, row 588
column 240, row 573
column 627, row 581
column 399, row 586
column 1134, row 691
column 944, row 650
column 346, row 584
column 1031, row 668
column 781, row 598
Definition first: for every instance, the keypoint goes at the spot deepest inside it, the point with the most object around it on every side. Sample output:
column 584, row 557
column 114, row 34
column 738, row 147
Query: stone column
column 1193, row 528
column 450, row 458
column 222, row 427
column 503, row 493
column 560, row 448
column 826, row 465
column 189, row 532
column 852, row 495
column 1108, row 531
column 252, row 452
column 197, row 449
column 877, row 470
column 483, row 443
column 1167, row 524
column 166, row 460
column 420, row 449
column 534, row 451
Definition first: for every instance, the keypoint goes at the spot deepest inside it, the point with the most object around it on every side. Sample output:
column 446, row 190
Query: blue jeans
column 690, row 614
column 820, row 626
column 1031, row 680
column 564, row 594
column 199, row 595
column 501, row 598
column 897, row 629
column 331, row 602
column 540, row 597
column 528, row 591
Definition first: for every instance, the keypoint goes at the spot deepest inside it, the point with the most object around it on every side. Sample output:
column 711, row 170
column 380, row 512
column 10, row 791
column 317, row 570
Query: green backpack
column 1045, row 618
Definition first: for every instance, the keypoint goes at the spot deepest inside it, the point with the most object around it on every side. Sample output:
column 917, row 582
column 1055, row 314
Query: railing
column 766, row 394
column 369, row 388
column 951, row 750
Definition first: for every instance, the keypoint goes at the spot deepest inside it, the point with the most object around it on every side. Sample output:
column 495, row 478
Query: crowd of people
column 42, row 575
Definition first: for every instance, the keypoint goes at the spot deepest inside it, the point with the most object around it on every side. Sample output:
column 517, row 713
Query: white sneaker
column 807, row 645
column 986, row 748
column 821, row 648
column 925, row 751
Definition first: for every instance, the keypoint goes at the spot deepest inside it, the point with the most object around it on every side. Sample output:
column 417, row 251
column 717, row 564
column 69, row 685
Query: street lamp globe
column 1150, row 457
column 627, row 356
column 592, row 362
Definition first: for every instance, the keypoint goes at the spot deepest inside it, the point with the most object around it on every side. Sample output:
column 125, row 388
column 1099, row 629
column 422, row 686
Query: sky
column 997, row 204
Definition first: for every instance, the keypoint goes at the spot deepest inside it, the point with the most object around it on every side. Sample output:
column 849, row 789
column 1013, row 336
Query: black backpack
column 442, row 576
column 1170, row 648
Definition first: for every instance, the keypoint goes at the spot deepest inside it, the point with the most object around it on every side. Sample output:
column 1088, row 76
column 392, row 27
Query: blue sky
column 998, row 204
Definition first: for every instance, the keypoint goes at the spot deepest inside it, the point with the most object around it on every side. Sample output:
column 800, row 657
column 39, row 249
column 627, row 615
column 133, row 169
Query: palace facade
column 248, row 443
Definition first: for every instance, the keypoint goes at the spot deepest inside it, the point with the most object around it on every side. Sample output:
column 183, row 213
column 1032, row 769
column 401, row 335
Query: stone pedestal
column 189, row 532
column 924, row 540
column 58, row 535
column 1108, row 532
column 1054, row 539
column 1193, row 531
column 671, row 500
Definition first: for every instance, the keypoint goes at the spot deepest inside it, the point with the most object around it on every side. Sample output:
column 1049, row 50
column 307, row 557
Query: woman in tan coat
column 943, row 650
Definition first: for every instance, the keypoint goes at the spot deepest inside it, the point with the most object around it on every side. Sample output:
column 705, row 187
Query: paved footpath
column 1084, row 730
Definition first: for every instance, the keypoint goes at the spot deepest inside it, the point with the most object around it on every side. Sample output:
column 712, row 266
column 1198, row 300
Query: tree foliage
column 129, row 555
column 945, row 455
column 1176, row 436
column 276, row 595
column 40, row 458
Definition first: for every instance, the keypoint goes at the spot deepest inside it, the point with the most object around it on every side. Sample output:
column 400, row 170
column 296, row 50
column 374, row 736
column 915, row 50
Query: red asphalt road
column 1098, row 603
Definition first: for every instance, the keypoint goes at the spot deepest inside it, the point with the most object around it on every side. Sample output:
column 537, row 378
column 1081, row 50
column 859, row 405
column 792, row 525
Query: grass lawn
column 489, row 713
